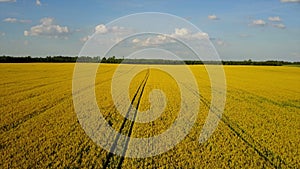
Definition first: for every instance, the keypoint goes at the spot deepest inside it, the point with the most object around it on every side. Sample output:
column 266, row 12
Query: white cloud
column 274, row 19
column 116, row 29
column 101, row 29
column 200, row 35
column 156, row 40
column 24, row 21
column 259, row 22
column 15, row 20
column 280, row 26
column 47, row 21
column 179, row 33
column 48, row 28
column 2, row 33
column 11, row 20
column 290, row 1
column 84, row 39
column 136, row 40
column 273, row 23
column 26, row 33
column 186, row 34
column 7, row 0
column 117, row 40
column 213, row 17
column 38, row 3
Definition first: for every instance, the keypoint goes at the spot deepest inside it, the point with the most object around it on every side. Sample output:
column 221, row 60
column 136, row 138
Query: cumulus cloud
column 15, row 20
column 38, row 3
column 213, row 17
column 48, row 28
column 11, row 20
column 290, row 1
column 155, row 40
column 103, row 29
column 274, row 19
column 7, row 0
column 280, row 26
column 47, row 21
column 274, row 22
column 24, row 21
column 259, row 22
column 186, row 34
column 179, row 33
column 136, row 40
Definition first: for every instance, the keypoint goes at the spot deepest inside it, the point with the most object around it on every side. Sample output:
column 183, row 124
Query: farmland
column 259, row 128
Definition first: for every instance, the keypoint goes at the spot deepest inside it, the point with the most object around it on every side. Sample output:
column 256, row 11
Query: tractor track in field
column 265, row 99
column 55, row 83
column 26, row 98
column 53, row 79
column 104, row 81
column 17, row 122
column 136, row 98
column 32, row 88
column 275, row 160
column 25, row 118
column 32, row 79
column 43, row 84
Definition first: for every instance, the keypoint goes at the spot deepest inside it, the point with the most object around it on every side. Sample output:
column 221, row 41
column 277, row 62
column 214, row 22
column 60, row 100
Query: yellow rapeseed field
column 259, row 128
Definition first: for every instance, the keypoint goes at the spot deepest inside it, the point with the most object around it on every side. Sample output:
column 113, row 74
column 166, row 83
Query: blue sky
column 252, row 29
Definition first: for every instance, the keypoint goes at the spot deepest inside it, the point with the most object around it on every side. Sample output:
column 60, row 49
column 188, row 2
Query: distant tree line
column 29, row 59
column 113, row 59
column 266, row 63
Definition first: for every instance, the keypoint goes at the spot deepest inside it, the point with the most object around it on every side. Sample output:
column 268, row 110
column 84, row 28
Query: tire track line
column 275, row 160
column 53, row 79
column 137, row 97
column 25, row 118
